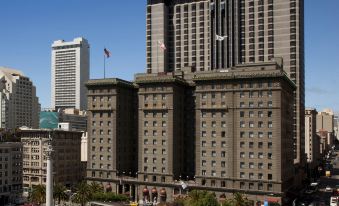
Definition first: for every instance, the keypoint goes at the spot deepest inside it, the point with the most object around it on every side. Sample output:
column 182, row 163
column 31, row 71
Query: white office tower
column 70, row 71
column 18, row 101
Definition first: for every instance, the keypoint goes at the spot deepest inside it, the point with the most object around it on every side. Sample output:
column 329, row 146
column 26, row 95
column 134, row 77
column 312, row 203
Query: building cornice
column 234, row 75
column 171, row 2
column 109, row 82
column 148, row 79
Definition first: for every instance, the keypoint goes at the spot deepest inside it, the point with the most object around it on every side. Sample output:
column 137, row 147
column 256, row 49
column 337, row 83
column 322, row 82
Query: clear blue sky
column 28, row 28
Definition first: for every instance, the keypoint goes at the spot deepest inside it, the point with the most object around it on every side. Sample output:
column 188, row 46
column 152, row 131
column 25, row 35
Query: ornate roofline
column 109, row 82
column 242, row 75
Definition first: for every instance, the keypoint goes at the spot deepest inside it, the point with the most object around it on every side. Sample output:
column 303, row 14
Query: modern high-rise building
column 217, row 34
column 18, row 101
column 70, row 71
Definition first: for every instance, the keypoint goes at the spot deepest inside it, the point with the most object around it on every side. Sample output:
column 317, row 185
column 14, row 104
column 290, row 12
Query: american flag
column 162, row 45
column 107, row 53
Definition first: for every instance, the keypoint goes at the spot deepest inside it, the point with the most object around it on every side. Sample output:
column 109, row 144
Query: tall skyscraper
column 18, row 101
column 70, row 71
column 216, row 34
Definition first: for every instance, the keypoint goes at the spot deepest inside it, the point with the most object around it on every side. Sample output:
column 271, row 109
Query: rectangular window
column 251, row 155
column 250, row 145
column 242, row 144
column 242, row 113
column 242, row 155
column 260, row 104
column 242, row 104
column 269, row 145
column 242, row 124
column 270, row 104
column 260, row 145
column 260, row 124
column 260, row 114
column 251, row 104
column 251, row 124
column 270, row 124
column 223, row 154
column 260, row 165
column 203, row 153
column 269, row 155
column 214, row 154
column 260, row 134
column 223, row 134
column 251, row 134
column 260, row 155
column 269, row 166
column 242, row 175
column 269, row 113
column 242, row 165
column 242, row 134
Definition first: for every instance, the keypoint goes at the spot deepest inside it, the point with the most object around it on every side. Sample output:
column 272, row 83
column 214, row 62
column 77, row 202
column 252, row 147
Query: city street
column 332, row 181
column 322, row 195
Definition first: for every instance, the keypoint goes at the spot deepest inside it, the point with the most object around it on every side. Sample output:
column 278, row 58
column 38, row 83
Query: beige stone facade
column 325, row 130
column 225, row 131
column 10, row 172
column 19, row 104
column 312, row 140
column 66, row 157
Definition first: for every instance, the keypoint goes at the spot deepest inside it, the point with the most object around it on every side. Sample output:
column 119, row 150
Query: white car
column 314, row 184
column 334, row 201
column 328, row 189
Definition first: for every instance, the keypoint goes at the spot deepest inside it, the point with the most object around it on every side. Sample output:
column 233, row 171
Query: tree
column 201, row 198
column 95, row 187
column 83, row 194
column 59, row 192
column 240, row 200
column 38, row 194
column 109, row 197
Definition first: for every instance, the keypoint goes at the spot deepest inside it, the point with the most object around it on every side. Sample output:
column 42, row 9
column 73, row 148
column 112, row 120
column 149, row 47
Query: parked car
column 328, row 188
column 334, row 201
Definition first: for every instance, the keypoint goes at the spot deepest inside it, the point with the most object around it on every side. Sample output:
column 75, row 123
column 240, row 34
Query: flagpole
column 157, row 56
column 104, row 66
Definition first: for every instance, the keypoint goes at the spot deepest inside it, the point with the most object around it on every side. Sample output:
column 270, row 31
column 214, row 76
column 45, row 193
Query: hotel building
column 70, row 71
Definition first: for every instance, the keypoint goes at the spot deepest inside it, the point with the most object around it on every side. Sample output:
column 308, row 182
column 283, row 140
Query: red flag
column 107, row 53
